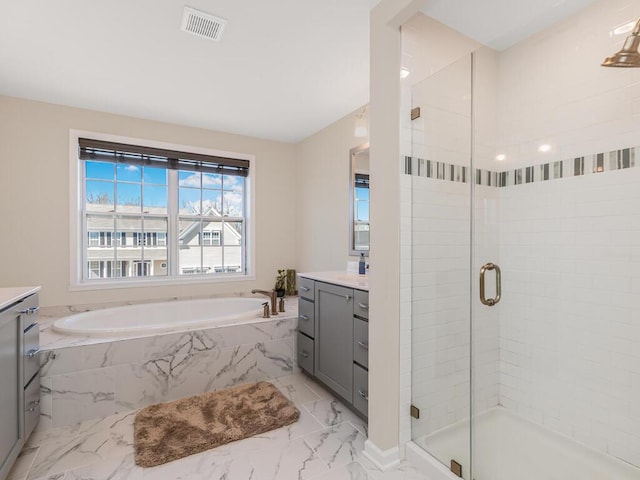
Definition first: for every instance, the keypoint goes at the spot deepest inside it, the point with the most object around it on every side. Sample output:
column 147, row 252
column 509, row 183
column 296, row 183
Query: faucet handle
column 281, row 304
column 265, row 310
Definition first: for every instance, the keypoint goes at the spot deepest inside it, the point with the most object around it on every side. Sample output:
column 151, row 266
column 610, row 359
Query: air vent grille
column 202, row 24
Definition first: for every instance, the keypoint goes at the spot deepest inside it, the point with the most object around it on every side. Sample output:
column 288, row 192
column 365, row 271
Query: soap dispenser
column 361, row 265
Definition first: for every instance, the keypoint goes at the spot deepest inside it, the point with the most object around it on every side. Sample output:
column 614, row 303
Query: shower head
column 628, row 56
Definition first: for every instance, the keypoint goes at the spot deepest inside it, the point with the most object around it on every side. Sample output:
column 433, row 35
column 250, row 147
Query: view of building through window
column 130, row 210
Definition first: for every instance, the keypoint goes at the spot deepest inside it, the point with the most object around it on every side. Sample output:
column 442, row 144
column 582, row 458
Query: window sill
column 157, row 282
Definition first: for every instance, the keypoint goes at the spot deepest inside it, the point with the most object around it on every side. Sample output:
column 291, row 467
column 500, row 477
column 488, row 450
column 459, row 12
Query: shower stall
column 521, row 181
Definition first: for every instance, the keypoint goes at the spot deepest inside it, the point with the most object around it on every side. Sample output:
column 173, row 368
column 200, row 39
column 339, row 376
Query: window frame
column 78, row 231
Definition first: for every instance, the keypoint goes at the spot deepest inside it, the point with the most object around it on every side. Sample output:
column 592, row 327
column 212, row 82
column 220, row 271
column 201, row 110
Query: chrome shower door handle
column 490, row 301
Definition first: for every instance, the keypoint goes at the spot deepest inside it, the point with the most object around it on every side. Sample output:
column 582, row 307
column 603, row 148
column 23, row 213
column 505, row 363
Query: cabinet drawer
column 306, row 288
column 361, row 303
column 31, row 405
column 361, row 342
column 361, row 389
column 305, row 353
column 306, row 317
column 31, row 342
column 28, row 309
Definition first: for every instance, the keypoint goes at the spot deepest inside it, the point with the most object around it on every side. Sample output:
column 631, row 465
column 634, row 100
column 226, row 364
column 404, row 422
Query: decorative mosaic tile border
column 572, row 167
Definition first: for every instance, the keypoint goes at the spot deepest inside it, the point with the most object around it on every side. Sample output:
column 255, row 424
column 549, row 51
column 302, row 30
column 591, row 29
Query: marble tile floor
column 325, row 444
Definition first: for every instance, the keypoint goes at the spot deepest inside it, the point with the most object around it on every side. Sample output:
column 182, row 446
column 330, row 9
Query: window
column 135, row 198
column 211, row 237
column 107, row 269
column 361, row 212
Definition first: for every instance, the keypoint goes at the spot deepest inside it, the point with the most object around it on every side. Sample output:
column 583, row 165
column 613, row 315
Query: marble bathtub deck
column 52, row 340
column 326, row 443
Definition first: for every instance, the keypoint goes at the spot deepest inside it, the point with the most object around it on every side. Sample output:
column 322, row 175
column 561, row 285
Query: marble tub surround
column 343, row 278
column 9, row 295
column 308, row 449
column 86, row 378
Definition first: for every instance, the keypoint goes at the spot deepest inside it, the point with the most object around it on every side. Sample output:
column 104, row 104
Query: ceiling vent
column 202, row 24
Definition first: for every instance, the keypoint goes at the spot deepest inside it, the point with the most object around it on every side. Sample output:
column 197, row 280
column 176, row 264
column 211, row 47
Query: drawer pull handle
column 363, row 305
column 364, row 345
column 347, row 297
column 33, row 325
column 29, row 311
column 33, row 353
column 303, row 354
column 363, row 395
column 304, row 317
column 304, row 289
column 33, row 406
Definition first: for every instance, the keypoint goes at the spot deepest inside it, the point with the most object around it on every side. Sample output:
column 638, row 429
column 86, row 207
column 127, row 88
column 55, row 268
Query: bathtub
column 151, row 318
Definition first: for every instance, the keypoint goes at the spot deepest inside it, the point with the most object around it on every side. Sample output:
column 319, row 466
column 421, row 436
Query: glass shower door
column 440, row 174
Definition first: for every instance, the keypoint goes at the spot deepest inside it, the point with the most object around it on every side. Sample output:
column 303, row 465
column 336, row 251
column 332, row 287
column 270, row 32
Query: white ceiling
column 499, row 24
column 283, row 70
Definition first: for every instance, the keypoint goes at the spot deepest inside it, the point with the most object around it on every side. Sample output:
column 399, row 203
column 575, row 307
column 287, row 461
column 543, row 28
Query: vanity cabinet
column 333, row 339
column 11, row 393
column 19, row 377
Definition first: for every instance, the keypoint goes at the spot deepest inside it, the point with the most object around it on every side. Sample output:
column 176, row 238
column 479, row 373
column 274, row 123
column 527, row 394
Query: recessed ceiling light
column 404, row 72
column 501, row 157
column 545, row 147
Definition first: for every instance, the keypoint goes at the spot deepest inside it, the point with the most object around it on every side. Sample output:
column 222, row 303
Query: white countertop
column 344, row 278
column 11, row 295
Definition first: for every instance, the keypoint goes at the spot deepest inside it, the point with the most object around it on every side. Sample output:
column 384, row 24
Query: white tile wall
column 569, row 334
column 569, row 329
column 553, row 89
column 440, row 306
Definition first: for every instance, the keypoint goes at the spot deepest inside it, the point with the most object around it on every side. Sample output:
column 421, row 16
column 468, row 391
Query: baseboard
column 382, row 459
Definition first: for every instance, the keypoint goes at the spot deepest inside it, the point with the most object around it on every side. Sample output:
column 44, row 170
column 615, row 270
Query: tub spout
column 272, row 295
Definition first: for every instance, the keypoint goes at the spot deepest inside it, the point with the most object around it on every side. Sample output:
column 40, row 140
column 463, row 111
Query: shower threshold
column 508, row 447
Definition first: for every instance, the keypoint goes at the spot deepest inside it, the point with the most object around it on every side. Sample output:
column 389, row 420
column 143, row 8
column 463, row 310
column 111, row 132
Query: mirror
column 359, row 200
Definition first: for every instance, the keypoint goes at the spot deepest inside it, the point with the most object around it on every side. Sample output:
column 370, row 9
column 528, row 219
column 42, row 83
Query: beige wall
column 384, row 282
column 322, row 210
column 34, row 199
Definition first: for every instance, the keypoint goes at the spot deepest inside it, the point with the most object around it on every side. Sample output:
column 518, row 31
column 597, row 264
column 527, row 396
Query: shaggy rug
column 172, row 430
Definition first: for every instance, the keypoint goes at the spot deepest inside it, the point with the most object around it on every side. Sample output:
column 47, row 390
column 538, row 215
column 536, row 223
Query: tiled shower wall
column 569, row 333
column 440, row 307
column 569, row 247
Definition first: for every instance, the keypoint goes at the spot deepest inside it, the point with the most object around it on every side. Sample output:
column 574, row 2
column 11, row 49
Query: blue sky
column 362, row 194
column 136, row 182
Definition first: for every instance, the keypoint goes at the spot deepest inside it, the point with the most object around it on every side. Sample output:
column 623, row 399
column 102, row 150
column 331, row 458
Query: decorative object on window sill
column 281, row 281
column 291, row 282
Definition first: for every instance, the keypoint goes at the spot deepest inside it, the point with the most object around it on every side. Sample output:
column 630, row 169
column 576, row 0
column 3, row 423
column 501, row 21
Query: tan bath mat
column 172, row 430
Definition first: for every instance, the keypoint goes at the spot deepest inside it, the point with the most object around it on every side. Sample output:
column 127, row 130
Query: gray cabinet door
column 334, row 338
column 11, row 389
